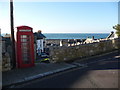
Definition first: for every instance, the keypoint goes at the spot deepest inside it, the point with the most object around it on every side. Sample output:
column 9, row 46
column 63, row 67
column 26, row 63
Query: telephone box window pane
column 26, row 59
column 24, row 40
column 25, row 48
column 24, row 45
column 23, row 36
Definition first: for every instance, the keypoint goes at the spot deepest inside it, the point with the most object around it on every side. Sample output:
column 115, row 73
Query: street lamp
column 13, row 60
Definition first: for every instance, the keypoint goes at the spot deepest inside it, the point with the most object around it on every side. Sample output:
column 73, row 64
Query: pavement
column 17, row 76
column 40, row 70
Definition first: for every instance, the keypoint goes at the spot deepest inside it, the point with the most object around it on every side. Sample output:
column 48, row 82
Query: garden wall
column 64, row 53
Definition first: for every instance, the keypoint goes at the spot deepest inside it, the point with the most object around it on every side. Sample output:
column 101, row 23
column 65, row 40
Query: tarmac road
column 101, row 73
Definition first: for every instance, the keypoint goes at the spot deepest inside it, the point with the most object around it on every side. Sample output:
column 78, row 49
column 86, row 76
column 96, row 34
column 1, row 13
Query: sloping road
column 102, row 72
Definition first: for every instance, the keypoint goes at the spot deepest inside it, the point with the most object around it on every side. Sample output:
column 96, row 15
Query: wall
column 53, row 41
column 0, row 53
column 59, row 54
column 62, row 42
column 64, row 53
column 6, row 53
column 6, row 62
column 3, row 47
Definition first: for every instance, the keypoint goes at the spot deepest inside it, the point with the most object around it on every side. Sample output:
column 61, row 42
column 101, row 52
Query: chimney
column 93, row 37
column 112, row 32
column 39, row 31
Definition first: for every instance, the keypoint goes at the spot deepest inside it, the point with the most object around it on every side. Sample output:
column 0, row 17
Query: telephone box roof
column 24, row 27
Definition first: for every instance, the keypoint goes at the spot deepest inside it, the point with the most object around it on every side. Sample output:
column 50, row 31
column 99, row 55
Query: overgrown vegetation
column 117, row 28
column 42, row 60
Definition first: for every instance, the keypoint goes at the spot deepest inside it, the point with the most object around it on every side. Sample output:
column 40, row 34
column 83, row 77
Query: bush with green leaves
column 117, row 28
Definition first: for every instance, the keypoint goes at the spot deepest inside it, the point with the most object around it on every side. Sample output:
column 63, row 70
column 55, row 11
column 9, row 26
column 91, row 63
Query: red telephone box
column 25, row 47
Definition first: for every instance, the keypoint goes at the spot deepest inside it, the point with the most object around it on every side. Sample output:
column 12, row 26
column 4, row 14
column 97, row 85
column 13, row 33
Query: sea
column 75, row 35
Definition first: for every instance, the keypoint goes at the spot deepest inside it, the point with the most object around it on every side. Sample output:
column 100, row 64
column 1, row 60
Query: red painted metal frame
column 20, row 63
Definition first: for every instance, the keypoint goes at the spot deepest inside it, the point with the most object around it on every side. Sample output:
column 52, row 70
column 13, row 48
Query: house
column 71, row 42
column 79, row 41
column 7, row 35
column 112, row 35
column 64, row 42
column 6, row 44
column 39, row 39
column 91, row 40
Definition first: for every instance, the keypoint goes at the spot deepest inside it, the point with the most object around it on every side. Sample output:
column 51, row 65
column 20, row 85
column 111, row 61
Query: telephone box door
column 25, row 47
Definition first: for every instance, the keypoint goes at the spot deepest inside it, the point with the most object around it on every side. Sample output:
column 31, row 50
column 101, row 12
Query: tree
column 117, row 28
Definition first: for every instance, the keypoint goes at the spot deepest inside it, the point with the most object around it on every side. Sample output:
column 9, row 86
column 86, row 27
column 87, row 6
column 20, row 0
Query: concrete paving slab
column 39, row 70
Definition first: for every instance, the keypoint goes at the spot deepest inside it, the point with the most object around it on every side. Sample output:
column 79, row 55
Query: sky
column 61, row 17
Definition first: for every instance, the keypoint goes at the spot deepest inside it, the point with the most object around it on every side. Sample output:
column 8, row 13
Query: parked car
column 44, row 55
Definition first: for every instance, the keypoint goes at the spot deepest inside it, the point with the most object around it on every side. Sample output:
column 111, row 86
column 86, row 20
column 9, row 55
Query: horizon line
column 70, row 33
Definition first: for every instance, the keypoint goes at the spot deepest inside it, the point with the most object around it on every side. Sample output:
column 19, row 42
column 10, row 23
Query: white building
column 40, row 42
column 91, row 40
column 112, row 35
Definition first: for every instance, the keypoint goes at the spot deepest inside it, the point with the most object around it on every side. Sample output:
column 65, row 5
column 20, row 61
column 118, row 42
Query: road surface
column 102, row 72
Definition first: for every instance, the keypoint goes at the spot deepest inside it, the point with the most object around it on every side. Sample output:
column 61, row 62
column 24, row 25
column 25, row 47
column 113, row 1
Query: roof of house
column 6, row 38
column 7, row 35
column 39, row 35
column 78, row 40
column 71, row 41
column 111, row 35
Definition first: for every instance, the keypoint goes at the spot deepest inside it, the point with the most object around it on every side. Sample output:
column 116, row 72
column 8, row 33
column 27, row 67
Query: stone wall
column 6, row 62
column 59, row 54
column 64, row 42
column 3, row 47
column 52, row 41
column 6, row 54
